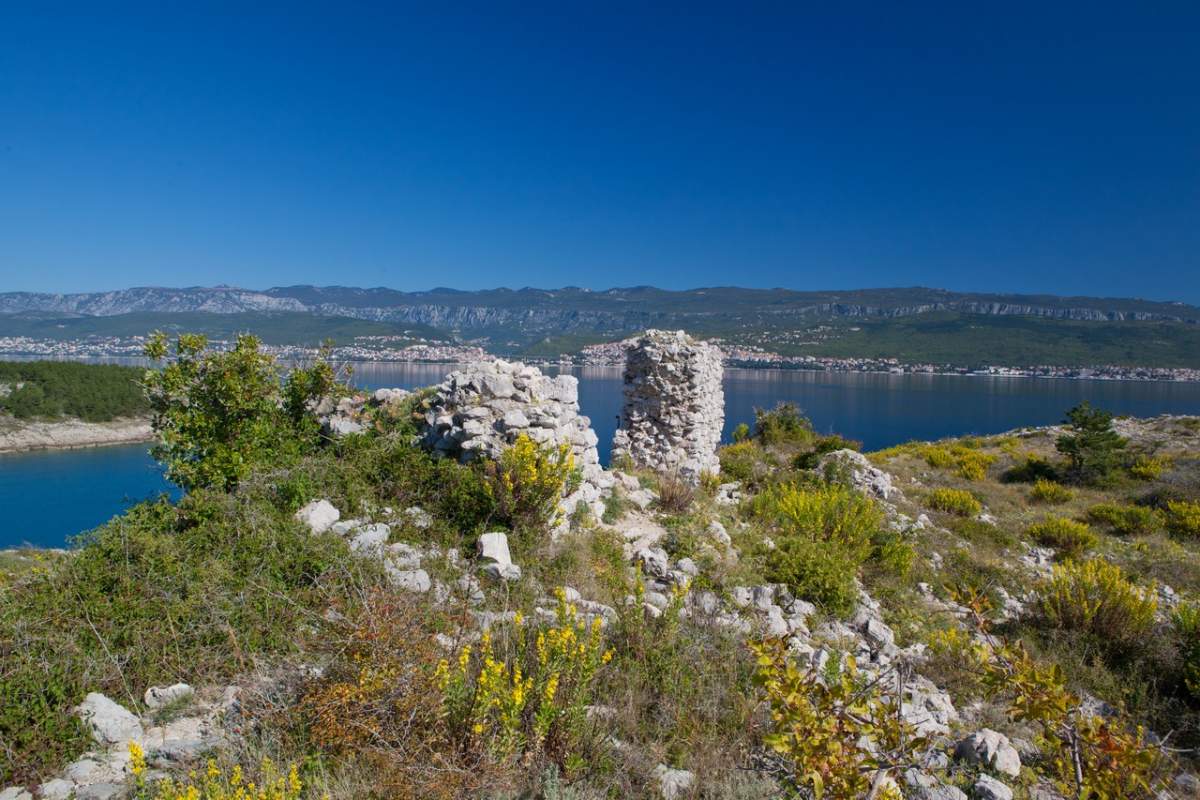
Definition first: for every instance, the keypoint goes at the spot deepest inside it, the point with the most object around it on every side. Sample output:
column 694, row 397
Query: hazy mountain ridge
column 573, row 310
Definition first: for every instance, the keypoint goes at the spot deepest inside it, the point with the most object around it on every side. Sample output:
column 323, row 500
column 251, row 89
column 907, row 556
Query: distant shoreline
column 1182, row 375
column 21, row 436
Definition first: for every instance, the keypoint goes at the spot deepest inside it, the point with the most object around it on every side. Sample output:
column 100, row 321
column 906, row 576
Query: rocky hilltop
column 404, row 611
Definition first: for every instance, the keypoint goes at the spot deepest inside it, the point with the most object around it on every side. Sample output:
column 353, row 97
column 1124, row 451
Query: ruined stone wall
column 674, row 405
column 482, row 409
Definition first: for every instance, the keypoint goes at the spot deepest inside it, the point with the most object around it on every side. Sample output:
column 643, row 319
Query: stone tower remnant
column 674, row 405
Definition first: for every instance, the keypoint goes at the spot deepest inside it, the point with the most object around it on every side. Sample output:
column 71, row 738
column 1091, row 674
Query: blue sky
column 1019, row 148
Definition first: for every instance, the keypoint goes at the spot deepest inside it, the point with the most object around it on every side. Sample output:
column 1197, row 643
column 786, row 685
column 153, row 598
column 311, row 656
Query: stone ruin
column 478, row 411
column 674, row 405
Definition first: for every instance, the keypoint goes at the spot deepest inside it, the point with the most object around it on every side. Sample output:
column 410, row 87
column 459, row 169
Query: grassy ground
column 229, row 587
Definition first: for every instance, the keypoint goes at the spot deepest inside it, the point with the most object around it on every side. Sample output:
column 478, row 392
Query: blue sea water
column 49, row 496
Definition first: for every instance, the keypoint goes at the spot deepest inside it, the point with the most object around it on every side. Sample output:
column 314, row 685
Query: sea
column 49, row 497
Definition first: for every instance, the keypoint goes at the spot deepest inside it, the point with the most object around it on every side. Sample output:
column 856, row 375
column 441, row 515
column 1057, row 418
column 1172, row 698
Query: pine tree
column 1093, row 449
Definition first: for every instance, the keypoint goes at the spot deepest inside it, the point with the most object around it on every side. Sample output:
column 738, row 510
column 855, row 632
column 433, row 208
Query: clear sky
column 1025, row 148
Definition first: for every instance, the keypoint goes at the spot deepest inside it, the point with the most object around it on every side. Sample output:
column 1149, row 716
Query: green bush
column 218, row 414
column 783, row 424
column 528, row 482
column 822, row 446
column 1183, row 519
column 1125, row 519
column 963, row 456
column 1070, row 538
column 820, row 572
column 823, row 535
column 1033, row 468
column 1185, row 623
column 1148, row 468
column 953, row 501
column 744, row 461
column 1095, row 598
column 823, row 513
column 1047, row 491
column 892, row 553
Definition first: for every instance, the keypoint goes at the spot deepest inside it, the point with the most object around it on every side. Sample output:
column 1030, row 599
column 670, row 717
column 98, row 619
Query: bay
column 50, row 496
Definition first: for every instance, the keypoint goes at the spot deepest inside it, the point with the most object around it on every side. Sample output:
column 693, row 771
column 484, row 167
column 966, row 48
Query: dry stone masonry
column 674, row 405
column 482, row 409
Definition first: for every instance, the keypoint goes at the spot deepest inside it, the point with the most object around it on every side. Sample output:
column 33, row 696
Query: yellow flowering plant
column 528, row 481
column 215, row 783
column 523, row 689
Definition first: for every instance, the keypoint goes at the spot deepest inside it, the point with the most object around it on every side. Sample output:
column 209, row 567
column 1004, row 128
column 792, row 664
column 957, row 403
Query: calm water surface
column 49, row 496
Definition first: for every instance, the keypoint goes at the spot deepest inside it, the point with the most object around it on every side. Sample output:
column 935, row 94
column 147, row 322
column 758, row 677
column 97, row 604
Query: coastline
column 1105, row 373
column 18, row 436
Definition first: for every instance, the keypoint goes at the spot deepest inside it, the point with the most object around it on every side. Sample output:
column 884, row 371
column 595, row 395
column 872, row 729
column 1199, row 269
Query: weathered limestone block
column 674, row 405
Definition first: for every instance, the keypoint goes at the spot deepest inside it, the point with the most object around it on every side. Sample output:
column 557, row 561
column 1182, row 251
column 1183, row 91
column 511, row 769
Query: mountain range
column 895, row 322
column 572, row 307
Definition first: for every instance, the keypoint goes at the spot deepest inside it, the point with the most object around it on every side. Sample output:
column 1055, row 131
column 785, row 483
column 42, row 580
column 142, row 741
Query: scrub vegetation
column 1023, row 578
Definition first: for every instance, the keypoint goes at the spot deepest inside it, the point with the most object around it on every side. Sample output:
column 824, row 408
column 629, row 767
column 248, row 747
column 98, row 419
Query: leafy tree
column 218, row 414
column 1093, row 448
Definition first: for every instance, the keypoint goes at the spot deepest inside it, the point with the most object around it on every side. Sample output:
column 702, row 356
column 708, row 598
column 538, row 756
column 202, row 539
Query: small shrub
column 1125, row 519
column 1047, row 491
column 963, row 456
column 528, row 481
column 783, row 424
column 220, row 414
column 953, row 501
column 834, row 729
column 819, row 572
column 743, row 461
column 1186, row 626
column 891, row 553
column 826, row 513
column 1183, row 519
column 1095, row 598
column 741, row 433
column 822, row 446
column 615, row 507
column 1149, row 468
column 527, row 695
column 824, row 534
column 1032, row 469
column 1070, row 538
column 675, row 495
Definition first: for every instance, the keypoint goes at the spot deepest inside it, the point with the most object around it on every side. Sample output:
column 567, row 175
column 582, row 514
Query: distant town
column 609, row 354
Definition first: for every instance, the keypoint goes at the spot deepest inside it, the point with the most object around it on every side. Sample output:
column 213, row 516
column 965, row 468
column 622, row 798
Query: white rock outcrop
column 159, row 696
column 674, row 405
column 673, row 783
column 319, row 515
column 991, row 749
column 495, row 558
column 988, row 788
column 109, row 722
